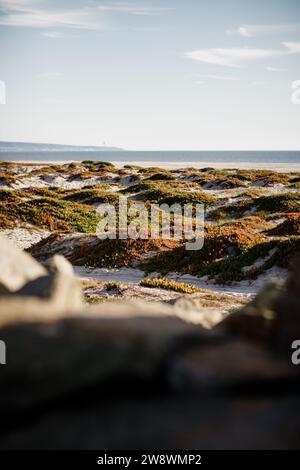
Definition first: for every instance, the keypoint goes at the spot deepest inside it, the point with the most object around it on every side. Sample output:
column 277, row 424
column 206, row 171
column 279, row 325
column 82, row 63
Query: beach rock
column 126, row 346
column 59, row 264
column 255, row 320
column 178, row 384
column 273, row 317
column 124, row 343
column 188, row 308
column 287, row 308
column 17, row 267
column 185, row 303
column 47, row 297
column 232, row 362
column 47, row 294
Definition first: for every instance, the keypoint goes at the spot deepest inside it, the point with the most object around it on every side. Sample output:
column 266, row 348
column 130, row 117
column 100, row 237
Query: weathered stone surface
column 59, row 264
column 287, row 308
column 188, row 309
column 51, row 359
column 273, row 317
column 17, row 267
column 139, row 375
column 230, row 363
column 45, row 297
column 255, row 320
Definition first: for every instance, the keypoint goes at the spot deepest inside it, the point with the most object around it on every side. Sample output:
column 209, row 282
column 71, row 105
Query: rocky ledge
column 136, row 375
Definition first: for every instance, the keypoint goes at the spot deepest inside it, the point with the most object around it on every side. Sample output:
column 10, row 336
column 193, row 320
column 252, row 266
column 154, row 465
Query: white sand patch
column 134, row 291
column 246, row 288
column 259, row 262
column 25, row 237
column 241, row 193
column 59, row 181
column 243, row 289
column 126, row 275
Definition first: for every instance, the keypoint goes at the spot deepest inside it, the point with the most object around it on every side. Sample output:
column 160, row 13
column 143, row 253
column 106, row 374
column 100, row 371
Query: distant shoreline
column 273, row 166
column 280, row 167
column 279, row 160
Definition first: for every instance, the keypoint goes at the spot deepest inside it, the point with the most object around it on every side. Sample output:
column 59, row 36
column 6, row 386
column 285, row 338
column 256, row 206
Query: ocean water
column 155, row 156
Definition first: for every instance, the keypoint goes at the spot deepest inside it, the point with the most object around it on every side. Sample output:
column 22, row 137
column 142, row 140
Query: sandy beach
column 279, row 167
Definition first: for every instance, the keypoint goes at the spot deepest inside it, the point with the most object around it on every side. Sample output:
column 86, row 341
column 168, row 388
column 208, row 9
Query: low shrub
column 230, row 211
column 95, row 165
column 231, row 268
column 116, row 253
column 160, row 177
column 169, row 284
column 7, row 179
column 52, row 214
column 290, row 226
column 112, row 285
column 287, row 202
column 251, row 222
column 92, row 196
column 220, row 242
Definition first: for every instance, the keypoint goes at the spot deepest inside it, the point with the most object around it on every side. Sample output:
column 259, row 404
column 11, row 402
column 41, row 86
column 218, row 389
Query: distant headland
column 44, row 147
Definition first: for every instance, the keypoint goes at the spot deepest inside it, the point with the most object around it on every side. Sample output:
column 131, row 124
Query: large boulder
column 16, row 266
column 122, row 343
column 144, row 375
column 273, row 317
column 31, row 291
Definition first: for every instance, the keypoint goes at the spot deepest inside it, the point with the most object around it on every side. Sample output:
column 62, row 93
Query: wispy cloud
column 293, row 47
column 231, row 57
column 234, row 57
column 30, row 14
column 250, row 30
column 34, row 14
column 58, row 35
column 131, row 8
column 274, row 69
column 18, row 4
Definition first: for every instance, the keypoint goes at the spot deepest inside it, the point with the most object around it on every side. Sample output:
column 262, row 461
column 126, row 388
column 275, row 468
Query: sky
column 151, row 74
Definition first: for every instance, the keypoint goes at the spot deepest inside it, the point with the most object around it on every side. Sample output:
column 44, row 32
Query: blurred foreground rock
column 136, row 375
column 16, row 267
column 273, row 317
